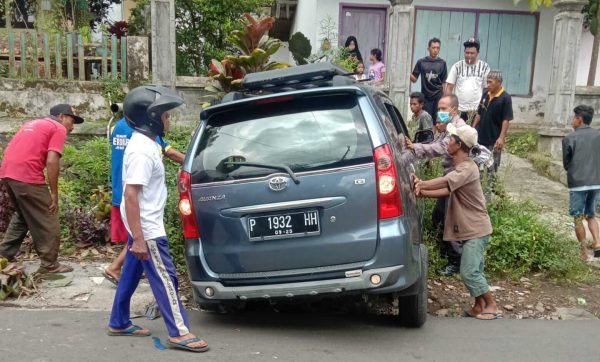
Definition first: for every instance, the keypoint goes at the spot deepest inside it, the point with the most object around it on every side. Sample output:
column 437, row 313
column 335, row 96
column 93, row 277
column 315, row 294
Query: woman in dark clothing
column 352, row 46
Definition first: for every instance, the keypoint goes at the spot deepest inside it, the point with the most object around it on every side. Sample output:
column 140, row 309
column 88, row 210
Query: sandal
column 111, row 278
column 129, row 332
column 183, row 345
column 60, row 268
column 494, row 316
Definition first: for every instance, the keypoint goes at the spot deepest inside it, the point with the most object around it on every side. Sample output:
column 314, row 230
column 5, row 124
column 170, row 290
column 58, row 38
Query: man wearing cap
column 492, row 120
column 38, row 145
column 467, row 79
column 467, row 220
column 447, row 114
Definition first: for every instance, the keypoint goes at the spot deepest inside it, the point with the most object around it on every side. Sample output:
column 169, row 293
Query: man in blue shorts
column 581, row 159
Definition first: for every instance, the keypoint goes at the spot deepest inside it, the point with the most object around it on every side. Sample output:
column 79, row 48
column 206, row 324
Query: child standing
column 377, row 68
column 359, row 73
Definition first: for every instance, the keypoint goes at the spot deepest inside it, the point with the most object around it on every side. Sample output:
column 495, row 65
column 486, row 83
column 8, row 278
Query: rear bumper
column 392, row 279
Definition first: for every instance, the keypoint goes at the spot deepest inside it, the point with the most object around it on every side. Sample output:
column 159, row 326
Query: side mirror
column 424, row 136
column 116, row 107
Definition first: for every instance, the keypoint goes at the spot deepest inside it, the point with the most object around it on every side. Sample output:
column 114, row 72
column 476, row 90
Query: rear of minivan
column 295, row 195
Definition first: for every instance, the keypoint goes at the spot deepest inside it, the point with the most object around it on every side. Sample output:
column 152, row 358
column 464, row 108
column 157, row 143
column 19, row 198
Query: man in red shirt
column 38, row 145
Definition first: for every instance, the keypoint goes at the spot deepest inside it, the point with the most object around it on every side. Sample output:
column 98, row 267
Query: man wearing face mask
column 467, row 79
column 447, row 114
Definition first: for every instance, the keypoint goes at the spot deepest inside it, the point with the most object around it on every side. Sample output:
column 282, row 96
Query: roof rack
column 307, row 76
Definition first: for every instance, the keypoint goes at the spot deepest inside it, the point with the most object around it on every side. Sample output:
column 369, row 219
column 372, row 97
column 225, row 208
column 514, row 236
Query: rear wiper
column 265, row 165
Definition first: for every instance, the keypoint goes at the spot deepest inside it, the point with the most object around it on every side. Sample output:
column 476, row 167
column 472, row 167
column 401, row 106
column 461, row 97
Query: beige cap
column 467, row 134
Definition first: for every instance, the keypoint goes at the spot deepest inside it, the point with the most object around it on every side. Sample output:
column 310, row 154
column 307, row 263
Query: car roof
column 302, row 79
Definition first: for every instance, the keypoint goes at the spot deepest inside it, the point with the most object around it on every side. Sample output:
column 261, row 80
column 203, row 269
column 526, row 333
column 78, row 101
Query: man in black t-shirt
column 492, row 119
column 433, row 72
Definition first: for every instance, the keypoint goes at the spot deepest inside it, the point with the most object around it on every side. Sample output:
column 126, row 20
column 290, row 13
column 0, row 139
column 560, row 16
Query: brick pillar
column 163, row 42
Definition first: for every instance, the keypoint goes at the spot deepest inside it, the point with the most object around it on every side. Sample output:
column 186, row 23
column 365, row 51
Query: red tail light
column 186, row 208
column 274, row 100
column 388, row 190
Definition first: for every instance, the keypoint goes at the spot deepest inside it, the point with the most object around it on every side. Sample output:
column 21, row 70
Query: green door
column 508, row 44
column 508, row 41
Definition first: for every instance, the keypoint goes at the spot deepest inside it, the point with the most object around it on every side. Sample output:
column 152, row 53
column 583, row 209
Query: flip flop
column 596, row 252
column 110, row 278
column 129, row 332
column 61, row 268
column 496, row 315
column 183, row 345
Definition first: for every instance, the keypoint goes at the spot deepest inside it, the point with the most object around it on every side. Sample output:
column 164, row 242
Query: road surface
column 69, row 335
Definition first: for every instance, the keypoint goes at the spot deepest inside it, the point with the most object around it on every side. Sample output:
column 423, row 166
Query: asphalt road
column 66, row 335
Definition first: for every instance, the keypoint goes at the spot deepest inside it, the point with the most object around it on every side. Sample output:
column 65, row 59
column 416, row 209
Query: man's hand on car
column 408, row 143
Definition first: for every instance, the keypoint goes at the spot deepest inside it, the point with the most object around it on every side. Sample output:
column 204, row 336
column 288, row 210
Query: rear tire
column 413, row 308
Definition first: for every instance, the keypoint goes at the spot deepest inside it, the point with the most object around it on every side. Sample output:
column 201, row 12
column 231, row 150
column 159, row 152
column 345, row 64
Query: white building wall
column 585, row 56
column 527, row 109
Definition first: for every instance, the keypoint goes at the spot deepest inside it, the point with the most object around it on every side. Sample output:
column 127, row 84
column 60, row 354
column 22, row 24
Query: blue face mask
column 444, row 117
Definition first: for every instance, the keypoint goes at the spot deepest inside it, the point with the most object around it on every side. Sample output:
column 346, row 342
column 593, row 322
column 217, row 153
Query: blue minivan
column 294, row 188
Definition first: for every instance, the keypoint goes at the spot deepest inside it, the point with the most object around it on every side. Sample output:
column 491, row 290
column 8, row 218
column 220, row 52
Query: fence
column 29, row 55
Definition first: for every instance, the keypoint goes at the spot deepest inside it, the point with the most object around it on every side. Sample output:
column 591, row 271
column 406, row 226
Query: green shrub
column 522, row 243
column 87, row 166
column 522, row 144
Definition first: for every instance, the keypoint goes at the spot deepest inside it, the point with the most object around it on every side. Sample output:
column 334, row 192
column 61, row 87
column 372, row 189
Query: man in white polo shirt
column 467, row 79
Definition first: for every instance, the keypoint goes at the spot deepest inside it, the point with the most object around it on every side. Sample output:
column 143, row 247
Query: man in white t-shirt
column 467, row 79
column 142, row 210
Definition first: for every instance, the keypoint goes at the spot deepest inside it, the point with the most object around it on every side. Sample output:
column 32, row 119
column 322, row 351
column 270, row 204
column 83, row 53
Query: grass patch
column 522, row 144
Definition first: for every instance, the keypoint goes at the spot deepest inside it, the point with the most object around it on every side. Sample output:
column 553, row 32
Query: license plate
column 292, row 225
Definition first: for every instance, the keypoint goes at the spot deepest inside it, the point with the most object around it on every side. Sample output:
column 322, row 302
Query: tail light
column 186, row 208
column 388, row 191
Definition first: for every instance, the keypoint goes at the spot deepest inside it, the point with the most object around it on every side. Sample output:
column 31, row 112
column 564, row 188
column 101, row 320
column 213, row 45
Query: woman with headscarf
column 352, row 46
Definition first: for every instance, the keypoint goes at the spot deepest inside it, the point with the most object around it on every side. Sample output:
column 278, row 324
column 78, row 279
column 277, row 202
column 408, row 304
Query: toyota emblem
column 278, row 183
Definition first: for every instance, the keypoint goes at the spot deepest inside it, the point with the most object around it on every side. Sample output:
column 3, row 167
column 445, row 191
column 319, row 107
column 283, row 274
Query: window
column 310, row 133
column 508, row 41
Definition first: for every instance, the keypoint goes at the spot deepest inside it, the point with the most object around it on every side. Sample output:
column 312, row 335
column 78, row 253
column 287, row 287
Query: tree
column 592, row 20
column 202, row 27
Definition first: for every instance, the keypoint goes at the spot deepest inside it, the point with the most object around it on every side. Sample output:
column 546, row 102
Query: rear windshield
column 305, row 134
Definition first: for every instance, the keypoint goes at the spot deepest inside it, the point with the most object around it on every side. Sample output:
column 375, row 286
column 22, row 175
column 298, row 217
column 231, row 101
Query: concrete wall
column 589, row 96
column 22, row 100
column 192, row 90
column 25, row 100
column 585, row 55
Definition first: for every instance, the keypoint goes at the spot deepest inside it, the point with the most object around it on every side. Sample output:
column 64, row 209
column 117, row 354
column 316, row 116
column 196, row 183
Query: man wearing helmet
column 144, row 199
